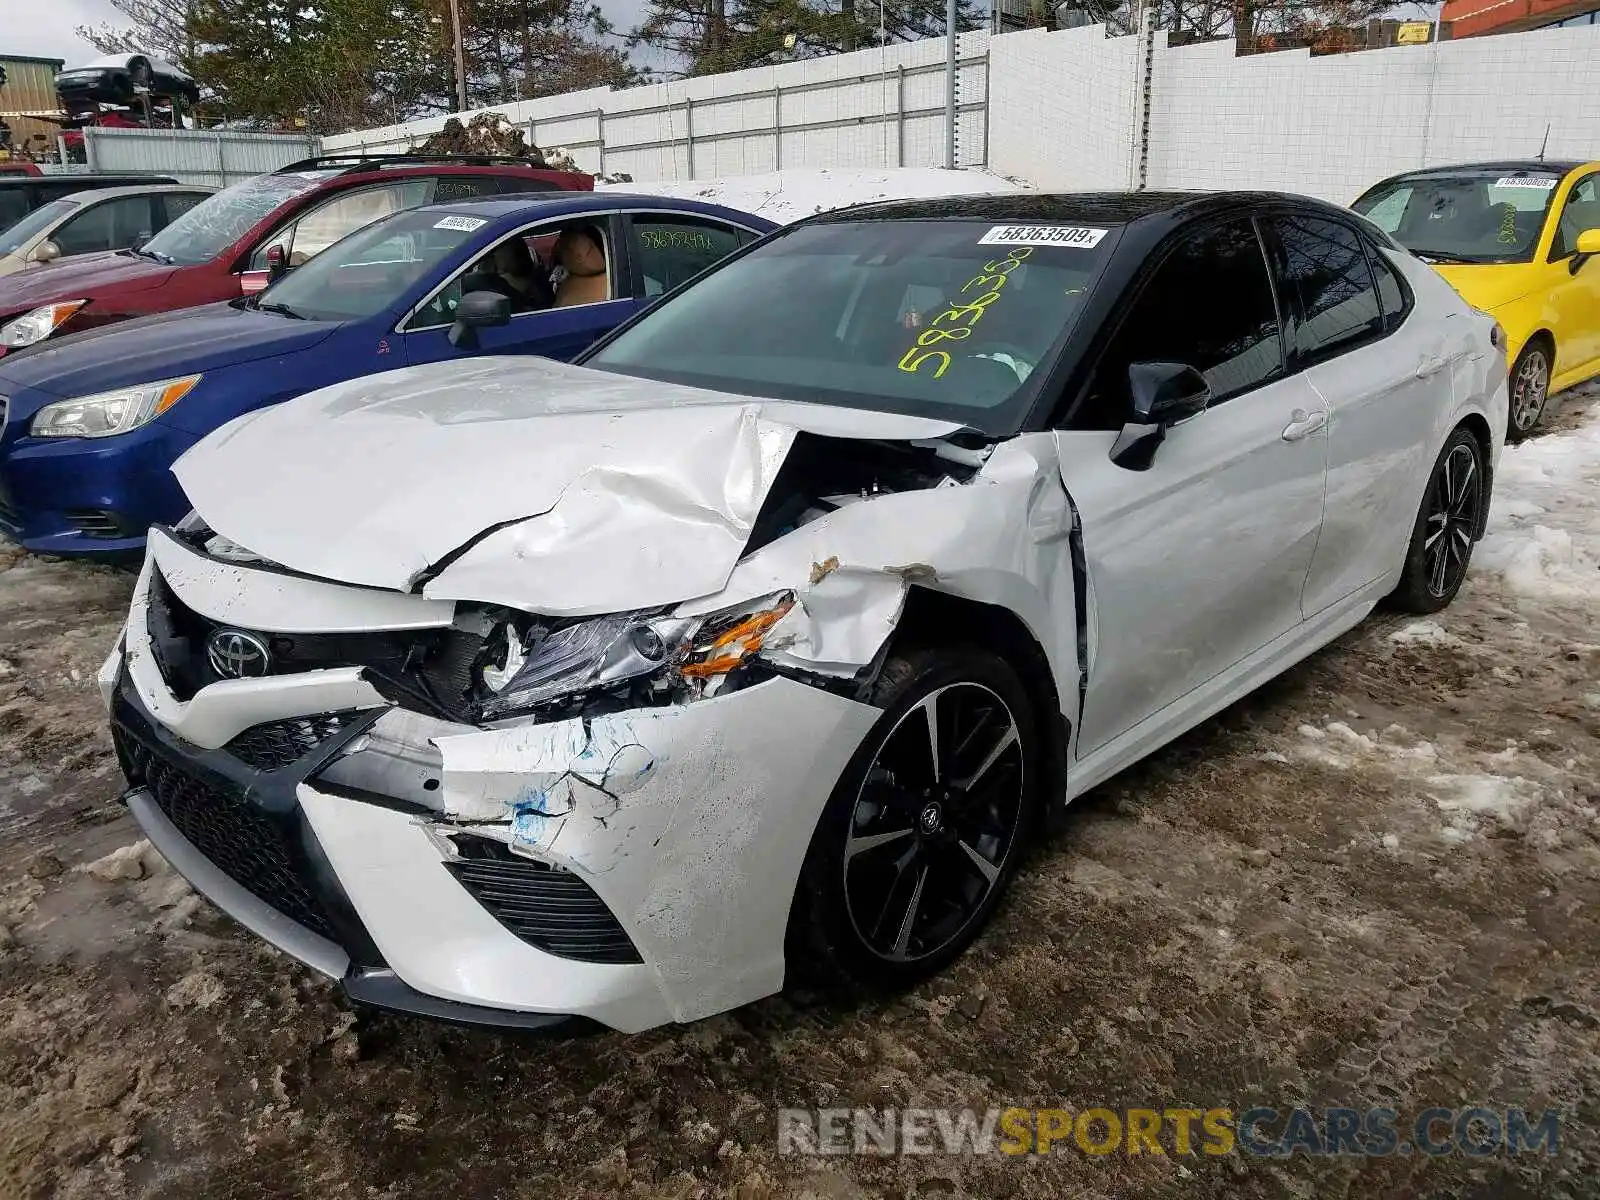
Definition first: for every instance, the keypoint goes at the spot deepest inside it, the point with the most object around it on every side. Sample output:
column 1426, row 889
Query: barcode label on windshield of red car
column 1078, row 237
column 463, row 224
column 1543, row 182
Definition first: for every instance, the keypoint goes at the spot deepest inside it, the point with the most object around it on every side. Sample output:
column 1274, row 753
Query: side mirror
column 478, row 310
column 277, row 263
column 46, row 252
column 1164, row 393
column 1588, row 247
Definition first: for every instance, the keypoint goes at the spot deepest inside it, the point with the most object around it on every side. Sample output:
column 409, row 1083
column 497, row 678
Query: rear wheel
column 1449, row 521
column 925, row 828
column 1530, row 390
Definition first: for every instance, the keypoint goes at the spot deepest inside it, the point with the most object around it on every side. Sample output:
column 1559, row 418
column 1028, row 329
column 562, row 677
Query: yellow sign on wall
column 1411, row 33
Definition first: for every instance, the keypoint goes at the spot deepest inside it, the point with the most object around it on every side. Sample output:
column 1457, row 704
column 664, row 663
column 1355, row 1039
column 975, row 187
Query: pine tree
column 702, row 37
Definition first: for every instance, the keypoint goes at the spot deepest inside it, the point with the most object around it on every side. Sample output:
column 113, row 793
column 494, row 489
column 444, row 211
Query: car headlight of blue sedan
column 107, row 414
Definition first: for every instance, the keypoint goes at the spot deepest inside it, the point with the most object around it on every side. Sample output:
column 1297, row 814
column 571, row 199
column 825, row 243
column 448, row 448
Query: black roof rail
column 370, row 162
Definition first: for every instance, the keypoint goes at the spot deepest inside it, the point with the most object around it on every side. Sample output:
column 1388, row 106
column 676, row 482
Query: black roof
column 89, row 179
column 1099, row 208
column 1509, row 166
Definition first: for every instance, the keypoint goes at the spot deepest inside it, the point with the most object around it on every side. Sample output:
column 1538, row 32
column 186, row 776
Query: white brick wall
column 1327, row 126
column 1063, row 112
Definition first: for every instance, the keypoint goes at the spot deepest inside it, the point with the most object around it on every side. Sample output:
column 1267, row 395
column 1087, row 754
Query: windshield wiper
column 1445, row 256
column 282, row 310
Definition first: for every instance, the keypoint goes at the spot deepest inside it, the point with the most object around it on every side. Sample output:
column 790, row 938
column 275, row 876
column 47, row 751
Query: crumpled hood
column 525, row 482
column 79, row 277
column 162, row 346
column 1488, row 286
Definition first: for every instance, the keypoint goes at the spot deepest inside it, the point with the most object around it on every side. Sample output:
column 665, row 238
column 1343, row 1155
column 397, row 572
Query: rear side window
column 1209, row 305
column 1392, row 294
column 1324, row 269
column 448, row 189
column 13, row 205
column 512, row 185
column 675, row 250
column 178, row 203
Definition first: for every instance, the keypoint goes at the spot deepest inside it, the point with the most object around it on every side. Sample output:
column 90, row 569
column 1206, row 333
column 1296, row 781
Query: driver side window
column 1581, row 212
column 1209, row 306
column 526, row 268
column 315, row 230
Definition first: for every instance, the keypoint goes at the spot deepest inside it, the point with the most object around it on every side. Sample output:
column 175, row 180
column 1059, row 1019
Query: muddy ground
column 1375, row 882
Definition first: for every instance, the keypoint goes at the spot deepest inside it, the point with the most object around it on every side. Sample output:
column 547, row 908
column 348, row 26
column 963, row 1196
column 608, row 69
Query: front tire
column 1449, row 521
column 925, row 828
column 1530, row 390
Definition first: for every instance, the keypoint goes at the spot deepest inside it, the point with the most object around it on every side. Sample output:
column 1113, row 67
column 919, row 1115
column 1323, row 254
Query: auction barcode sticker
column 1543, row 182
column 464, row 224
column 1079, row 237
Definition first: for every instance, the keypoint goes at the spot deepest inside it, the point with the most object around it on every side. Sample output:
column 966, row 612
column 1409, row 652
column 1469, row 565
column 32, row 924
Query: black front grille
column 258, row 850
column 436, row 662
column 543, row 905
column 279, row 744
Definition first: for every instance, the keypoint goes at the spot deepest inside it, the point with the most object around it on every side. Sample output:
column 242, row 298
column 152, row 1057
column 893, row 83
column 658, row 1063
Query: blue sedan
column 93, row 422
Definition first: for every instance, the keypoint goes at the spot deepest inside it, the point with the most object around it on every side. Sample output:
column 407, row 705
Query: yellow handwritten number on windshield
column 994, row 278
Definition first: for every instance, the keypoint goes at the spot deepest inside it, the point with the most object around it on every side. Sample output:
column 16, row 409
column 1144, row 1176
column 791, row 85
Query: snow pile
column 785, row 196
column 1544, row 523
column 1427, row 633
column 1338, row 745
column 1469, row 802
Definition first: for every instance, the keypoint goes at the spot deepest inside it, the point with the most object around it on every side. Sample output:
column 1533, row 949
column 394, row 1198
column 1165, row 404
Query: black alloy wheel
column 1450, row 521
column 926, row 825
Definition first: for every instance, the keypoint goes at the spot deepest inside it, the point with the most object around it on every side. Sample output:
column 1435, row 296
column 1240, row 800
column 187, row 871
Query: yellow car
column 1517, row 240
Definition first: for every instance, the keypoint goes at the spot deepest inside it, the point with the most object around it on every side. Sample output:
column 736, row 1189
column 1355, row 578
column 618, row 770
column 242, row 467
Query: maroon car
column 228, row 245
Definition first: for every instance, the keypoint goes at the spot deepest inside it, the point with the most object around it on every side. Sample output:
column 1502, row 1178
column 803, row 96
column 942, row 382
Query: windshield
column 217, row 222
column 370, row 270
column 1480, row 216
column 944, row 319
column 40, row 219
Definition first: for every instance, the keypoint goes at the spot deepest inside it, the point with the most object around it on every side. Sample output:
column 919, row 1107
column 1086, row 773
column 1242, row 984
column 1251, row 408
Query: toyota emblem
column 234, row 654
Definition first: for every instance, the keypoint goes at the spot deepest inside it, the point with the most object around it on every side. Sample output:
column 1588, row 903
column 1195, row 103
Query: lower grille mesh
column 545, row 907
column 279, row 744
column 252, row 847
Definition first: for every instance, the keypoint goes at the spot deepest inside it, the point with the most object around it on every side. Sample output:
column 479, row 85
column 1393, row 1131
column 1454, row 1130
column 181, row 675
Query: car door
column 1383, row 373
column 1575, row 294
column 560, row 333
column 670, row 249
column 1200, row 560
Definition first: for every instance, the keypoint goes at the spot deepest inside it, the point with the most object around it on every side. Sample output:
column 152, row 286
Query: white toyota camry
column 760, row 642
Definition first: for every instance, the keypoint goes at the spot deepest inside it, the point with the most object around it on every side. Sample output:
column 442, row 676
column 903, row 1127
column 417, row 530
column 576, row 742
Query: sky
column 46, row 30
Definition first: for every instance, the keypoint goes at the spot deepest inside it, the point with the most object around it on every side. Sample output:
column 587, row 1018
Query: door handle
column 1432, row 365
column 1303, row 424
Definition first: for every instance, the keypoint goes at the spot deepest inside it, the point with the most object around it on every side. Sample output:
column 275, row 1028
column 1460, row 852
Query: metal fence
column 215, row 158
column 882, row 107
column 705, row 123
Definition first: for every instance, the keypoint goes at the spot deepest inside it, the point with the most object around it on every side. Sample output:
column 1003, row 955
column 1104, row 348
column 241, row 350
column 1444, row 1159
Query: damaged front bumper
column 633, row 868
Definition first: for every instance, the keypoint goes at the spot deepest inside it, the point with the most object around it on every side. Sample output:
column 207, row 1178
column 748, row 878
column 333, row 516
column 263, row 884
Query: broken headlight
column 526, row 668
